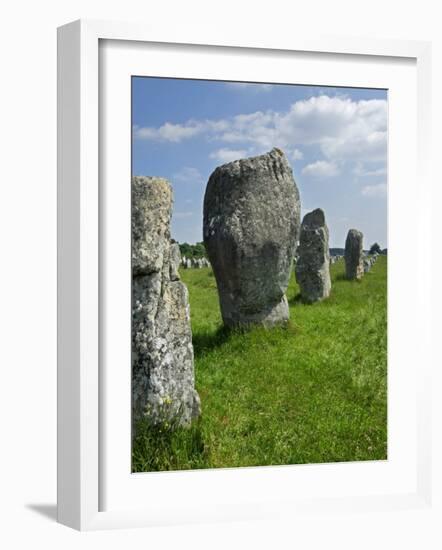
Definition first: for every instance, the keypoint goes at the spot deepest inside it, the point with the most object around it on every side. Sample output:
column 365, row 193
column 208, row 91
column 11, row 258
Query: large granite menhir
column 251, row 225
column 162, row 352
column 313, row 265
column 354, row 265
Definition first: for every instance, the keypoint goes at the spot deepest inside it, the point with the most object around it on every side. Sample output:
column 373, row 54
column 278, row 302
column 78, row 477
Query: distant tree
column 197, row 250
column 186, row 250
column 375, row 248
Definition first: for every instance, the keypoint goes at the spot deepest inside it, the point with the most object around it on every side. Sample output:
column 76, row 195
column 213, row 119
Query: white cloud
column 188, row 174
column 248, row 86
column 370, row 147
column 297, row 154
column 256, row 129
column 179, row 132
column 321, row 169
column 343, row 129
column 227, row 155
column 361, row 171
column 375, row 191
column 170, row 132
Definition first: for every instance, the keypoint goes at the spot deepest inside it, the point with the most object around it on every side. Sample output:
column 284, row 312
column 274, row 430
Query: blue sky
column 334, row 138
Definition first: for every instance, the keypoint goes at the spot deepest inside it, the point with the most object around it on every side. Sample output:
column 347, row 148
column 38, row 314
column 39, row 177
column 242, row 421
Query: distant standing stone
column 175, row 261
column 162, row 352
column 367, row 263
column 313, row 266
column 354, row 268
column 251, row 226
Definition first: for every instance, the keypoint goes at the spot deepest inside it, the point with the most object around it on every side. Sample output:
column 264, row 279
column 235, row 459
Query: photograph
column 259, row 227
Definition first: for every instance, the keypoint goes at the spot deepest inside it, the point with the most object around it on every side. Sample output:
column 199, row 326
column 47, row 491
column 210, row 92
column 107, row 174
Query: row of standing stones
column 188, row 263
column 251, row 229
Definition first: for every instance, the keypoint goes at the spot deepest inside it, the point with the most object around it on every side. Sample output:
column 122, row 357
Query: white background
column 234, row 489
column 28, row 268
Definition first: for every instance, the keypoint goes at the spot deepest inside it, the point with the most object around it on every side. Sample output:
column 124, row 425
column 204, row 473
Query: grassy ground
column 315, row 391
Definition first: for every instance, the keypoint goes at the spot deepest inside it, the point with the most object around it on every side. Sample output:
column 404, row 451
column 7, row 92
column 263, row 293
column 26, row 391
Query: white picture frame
column 80, row 434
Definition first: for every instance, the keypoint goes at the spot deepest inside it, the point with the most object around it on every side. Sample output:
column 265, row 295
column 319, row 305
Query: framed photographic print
column 233, row 223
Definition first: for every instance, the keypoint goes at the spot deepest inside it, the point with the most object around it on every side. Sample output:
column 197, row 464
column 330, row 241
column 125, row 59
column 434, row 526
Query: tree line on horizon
column 198, row 250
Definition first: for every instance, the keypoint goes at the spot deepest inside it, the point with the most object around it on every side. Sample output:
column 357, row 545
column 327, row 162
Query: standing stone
column 354, row 268
column 367, row 265
column 313, row 266
column 162, row 351
column 251, row 226
column 175, row 261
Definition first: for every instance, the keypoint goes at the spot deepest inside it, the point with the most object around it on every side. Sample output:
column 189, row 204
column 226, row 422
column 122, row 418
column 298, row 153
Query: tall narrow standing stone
column 162, row 352
column 312, row 268
column 354, row 265
column 175, row 262
column 251, row 224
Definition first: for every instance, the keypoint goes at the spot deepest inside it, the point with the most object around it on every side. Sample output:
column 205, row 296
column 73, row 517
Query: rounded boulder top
column 316, row 218
column 275, row 157
column 354, row 234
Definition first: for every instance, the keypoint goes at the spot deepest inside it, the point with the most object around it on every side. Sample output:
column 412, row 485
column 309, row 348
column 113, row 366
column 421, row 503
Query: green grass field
column 315, row 391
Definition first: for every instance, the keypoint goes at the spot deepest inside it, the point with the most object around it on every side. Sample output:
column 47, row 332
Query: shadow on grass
column 207, row 341
column 342, row 277
column 296, row 299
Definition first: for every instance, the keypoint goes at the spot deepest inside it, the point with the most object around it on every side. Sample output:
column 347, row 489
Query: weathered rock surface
column 162, row 352
column 313, row 266
column 251, row 226
column 354, row 267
